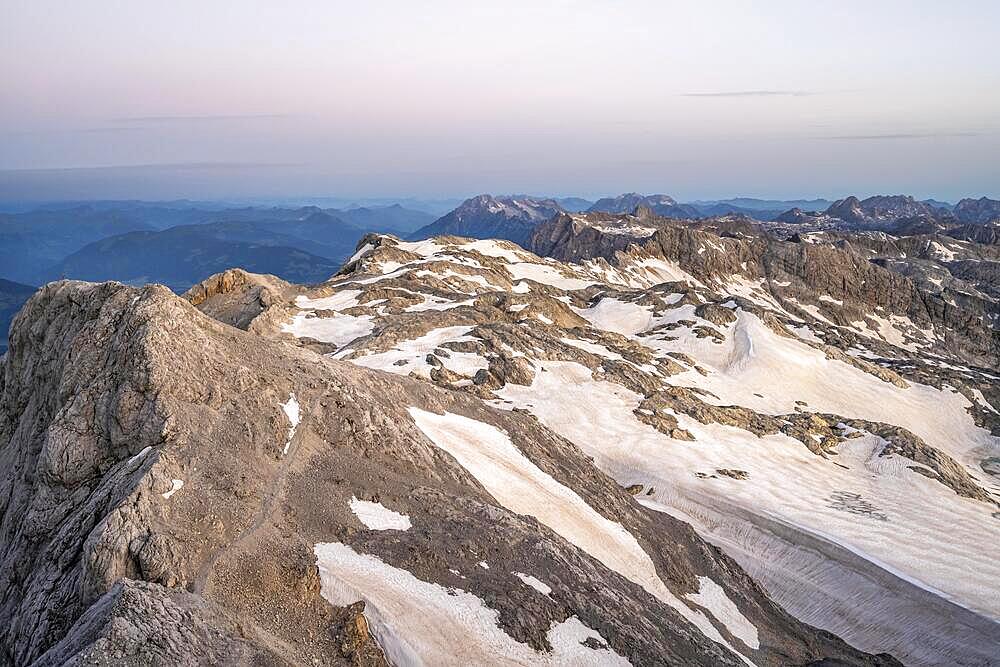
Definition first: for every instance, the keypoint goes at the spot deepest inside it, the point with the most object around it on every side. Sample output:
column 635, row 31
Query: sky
column 258, row 98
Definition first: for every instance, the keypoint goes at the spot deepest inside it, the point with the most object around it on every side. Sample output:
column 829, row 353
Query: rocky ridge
column 173, row 481
column 695, row 330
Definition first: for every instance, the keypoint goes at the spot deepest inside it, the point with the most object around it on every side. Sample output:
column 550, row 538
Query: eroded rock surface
column 178, row 491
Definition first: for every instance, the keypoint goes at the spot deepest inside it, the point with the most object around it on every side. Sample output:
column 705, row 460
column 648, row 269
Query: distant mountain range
column 32, row 241
column 514, row 217
column 885, row 212
column 977, row 211
column 658, row 204
column 53, row 242
column 181, row 256
column 753, row 204
column 180, row 243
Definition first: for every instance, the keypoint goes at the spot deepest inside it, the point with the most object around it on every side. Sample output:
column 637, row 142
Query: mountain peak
column 664, row 205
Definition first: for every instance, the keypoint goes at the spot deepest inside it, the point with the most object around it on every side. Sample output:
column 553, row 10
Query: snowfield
column 422, row 623
column 598, row 417
column 817, row 529
column 711, row 596
column 520, row 486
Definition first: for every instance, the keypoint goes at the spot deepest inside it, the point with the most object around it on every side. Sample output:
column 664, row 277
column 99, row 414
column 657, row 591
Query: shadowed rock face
column 978, row 211
column 658, row 204
column 160, row 504
column 880, row 210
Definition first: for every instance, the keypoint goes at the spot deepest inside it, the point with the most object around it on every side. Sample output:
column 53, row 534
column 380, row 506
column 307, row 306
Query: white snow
column 175, row 486
column 713, row 597
column 339, row 330
column 547, row 275
column 534, row 582
column 362, row 251
column 436, row 303
column 805, row 333
column 376, row 516
column 423, row 248
column 291, row 410
column 940, row 252
column 983, row 402
column 654, row 270
column 422, row 623
column 891, row 330
column 519, row 485
column 619, row 316
column 338, row 301
column 593, row 348
column 476, row 279
column 598, row 417
column 414, row 352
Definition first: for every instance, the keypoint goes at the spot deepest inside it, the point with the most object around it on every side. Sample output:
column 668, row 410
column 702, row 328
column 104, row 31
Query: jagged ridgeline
column 649, row 443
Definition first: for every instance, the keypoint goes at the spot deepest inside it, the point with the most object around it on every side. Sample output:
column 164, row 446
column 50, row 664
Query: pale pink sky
column 317, row 97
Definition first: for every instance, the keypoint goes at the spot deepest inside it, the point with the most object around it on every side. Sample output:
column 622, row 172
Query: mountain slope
column 880, row 211
column 977, row 211
column 816, row 416
column 179, row 490
column 179, row 257
column 483, row 217
column 393, row 218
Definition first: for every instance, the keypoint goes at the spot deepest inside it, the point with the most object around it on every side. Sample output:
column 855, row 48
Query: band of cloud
column 752, row 93
column 902, row 135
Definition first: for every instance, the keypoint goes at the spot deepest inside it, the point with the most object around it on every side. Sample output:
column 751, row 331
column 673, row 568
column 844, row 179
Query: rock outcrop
column 176, row 490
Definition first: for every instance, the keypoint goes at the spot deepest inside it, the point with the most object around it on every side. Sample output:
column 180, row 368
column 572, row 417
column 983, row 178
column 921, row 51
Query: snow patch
column 362, row 251
column 535, row 583
column 339, row 330
column 619, row 316
column 416, row 622
column 175, row 486
column 713, row 597
column 488, row 454
column 291, row 410
column 376, row 516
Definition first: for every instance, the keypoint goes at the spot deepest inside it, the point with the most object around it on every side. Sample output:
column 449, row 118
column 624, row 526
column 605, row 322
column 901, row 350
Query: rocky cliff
column 176, row 490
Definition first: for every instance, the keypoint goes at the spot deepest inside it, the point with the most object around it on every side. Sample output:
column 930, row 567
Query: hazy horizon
column 108, row 100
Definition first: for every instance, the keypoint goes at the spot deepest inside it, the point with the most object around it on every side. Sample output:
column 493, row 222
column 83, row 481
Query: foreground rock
column 176, row 490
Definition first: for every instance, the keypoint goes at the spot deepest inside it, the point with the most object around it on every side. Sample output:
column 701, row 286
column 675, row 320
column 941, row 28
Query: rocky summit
column 513, row 218
column 632, row 440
